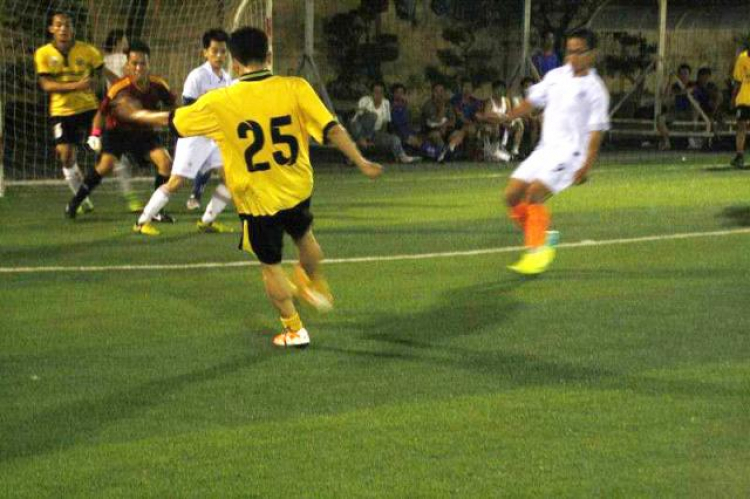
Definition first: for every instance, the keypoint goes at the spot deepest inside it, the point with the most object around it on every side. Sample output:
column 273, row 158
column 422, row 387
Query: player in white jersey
column 576, row 115
column 196, row 155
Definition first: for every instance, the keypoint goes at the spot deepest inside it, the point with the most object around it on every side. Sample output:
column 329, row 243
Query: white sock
column 159, row 200
column 217, row 204
column 122, row 172
column 73, row 177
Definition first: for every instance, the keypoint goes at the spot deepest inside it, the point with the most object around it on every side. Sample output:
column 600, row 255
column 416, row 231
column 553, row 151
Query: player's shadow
column 737, row 215
column 429, row 337
column 71, row 423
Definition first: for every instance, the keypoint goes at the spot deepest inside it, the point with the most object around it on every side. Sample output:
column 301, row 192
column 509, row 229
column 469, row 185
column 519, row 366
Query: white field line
column 368, row 259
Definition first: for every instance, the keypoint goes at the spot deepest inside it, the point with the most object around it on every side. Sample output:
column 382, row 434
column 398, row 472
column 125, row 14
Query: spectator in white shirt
column 370, row 125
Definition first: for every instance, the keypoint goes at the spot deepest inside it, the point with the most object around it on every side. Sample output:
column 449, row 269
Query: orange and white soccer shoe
column 314, row 293
column 295, row 339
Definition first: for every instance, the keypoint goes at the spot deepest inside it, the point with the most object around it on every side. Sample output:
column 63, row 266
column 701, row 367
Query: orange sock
column 519, row 213
column 537, row 223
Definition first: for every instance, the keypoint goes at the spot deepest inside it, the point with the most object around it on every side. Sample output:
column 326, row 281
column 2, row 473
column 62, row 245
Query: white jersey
column 194, row 155
column 116, row 64
column 201, row 80
column 383, row 112
column 574, row 106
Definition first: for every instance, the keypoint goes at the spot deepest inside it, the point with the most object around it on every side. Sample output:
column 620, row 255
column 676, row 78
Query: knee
column 174, row 183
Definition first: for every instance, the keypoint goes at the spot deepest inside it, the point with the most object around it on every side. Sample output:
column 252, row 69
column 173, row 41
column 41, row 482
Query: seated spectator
column 546, row 59
column 531, row 124
column 400, row 118
column 369, row 126
column 439, row 123
column 708, row 97
column 496, row 136
column 466, row 107
column 678, row 107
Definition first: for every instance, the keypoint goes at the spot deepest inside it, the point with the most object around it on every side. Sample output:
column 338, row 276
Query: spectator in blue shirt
column 546, row 59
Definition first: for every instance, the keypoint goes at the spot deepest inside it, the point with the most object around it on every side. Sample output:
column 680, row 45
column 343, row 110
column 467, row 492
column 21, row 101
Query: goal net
column 172, row 28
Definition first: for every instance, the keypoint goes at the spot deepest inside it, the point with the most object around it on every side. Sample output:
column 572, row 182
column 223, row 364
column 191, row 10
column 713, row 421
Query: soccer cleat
column 146, row 229
column 738, row 162
column 71, row 212
column 534, row 261
column 87, row 206
column 164, row 217
column 213, row 227
column 134, row 204
column 314, row 293
column 193, row 203
column 295, row 339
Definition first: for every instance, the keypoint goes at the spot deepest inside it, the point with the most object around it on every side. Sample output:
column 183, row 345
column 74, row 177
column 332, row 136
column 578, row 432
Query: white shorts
column 554, row 168
column 194, row 155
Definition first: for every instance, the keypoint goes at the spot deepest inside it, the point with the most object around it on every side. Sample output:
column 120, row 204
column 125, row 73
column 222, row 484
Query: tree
column 462, row 60
column 562, row 16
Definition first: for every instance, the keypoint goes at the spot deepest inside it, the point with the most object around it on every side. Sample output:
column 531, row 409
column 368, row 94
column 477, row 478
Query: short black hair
column 586, row 35
column 397, row 86
column 249, row 45
column 139, row 46
column 685, row 65
column 113, row 38
column 216, row 35
column 498, row 84
column 58, row 12
column 377, row 83
column 705, row 70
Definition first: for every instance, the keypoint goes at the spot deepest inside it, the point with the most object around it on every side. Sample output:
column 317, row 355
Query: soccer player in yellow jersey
column 262, row 125
column 68, row 71
column 742, row 103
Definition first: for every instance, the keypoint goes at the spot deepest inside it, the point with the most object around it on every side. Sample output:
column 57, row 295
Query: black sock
column 92, row 180
column 159, row 180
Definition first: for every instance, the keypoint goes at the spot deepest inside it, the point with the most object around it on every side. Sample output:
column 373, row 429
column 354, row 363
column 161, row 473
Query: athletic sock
column 159, row 180
column 519, row 214
column 159, row 200
column 199, row 184
column 122, row 173
column 537, row 223
column 73, row 177
column 90, row 183
column 217, row 204
column 293, row 323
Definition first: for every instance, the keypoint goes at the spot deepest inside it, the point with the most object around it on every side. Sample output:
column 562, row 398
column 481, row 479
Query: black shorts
column 136, row 144
column 264, row 235
column 743, row 113
column 72, row 129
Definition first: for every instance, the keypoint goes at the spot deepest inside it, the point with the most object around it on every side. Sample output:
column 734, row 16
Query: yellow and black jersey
column 742, row 76
column 80, row 61
column 262, row 124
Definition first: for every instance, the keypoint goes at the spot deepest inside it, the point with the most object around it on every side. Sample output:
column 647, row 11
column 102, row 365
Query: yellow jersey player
column 742, row 103
column 68, row 70
column 262, row 125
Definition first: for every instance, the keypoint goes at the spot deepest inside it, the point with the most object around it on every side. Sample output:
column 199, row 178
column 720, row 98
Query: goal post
column 172, row 29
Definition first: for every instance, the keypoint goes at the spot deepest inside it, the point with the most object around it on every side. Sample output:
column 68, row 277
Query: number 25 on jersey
column 259, row 140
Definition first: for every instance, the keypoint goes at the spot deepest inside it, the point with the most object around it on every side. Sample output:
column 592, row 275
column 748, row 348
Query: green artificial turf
column 622, row 372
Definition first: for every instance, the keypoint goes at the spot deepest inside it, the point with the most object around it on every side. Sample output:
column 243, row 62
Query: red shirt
column 152, row 98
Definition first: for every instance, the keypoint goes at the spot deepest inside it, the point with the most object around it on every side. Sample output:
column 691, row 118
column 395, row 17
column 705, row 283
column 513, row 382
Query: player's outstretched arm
column 128, row 110
column 595, row 143
column 523, row 109
column 339, row 137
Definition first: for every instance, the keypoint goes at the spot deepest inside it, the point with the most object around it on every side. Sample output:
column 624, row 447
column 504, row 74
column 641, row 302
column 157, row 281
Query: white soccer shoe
column 298, row 339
